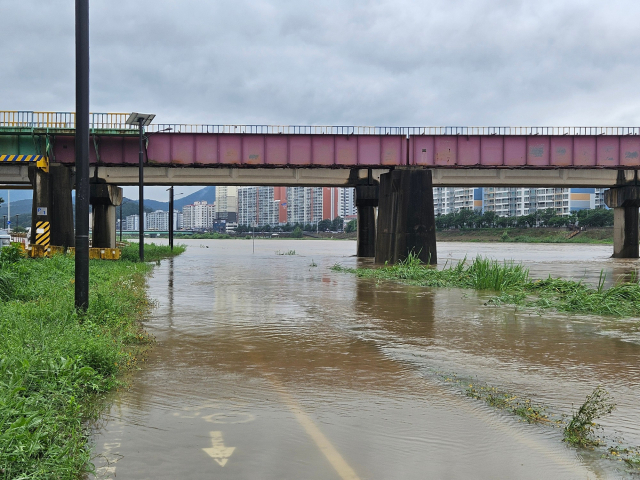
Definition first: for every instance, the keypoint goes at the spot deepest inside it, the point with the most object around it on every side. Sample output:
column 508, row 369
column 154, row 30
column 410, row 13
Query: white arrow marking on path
column 218, row 451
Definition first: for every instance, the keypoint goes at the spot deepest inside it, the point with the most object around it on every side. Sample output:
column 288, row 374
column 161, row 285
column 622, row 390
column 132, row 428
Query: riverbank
column 56, row 365
column 527, row 235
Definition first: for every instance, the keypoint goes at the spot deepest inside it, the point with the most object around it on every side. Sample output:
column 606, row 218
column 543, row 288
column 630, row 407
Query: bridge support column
column 104, row 200
column 52, row 209
column 625, row 202
column 366, row 203
column 406, row 221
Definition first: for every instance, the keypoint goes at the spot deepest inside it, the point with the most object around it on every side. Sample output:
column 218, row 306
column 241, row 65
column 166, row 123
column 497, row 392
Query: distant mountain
column 21, row 202
column 21, row 207
column 207, row 194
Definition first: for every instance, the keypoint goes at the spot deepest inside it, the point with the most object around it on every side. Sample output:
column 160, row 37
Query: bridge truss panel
column 517, row 151
column 276, row 150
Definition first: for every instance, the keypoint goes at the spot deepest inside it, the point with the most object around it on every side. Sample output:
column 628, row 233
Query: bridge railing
column 117, row 121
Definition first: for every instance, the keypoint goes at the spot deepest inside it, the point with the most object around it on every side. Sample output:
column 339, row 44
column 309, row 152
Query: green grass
column 579, row 431
column 522, row 407
column 513, row 286
column 56, row 365
column 288, row 252
column 152, row 252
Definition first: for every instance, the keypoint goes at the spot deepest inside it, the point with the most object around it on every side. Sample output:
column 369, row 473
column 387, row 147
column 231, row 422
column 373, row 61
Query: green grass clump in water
column 579, row 431
column 514, row 286
column 54, row 364
column 152, row 252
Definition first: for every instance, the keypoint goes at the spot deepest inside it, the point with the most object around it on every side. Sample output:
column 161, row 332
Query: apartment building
column 199, row 216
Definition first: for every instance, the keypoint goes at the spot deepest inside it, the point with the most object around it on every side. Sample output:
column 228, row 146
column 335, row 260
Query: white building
column 257, row 205
column 452, row 199
column 158, row 221
column 523, row 201
column 132, row 222
column 347, row 202
column 198, row 216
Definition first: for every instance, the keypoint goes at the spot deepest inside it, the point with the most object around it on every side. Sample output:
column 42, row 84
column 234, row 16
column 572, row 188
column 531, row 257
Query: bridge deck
column 114, row 143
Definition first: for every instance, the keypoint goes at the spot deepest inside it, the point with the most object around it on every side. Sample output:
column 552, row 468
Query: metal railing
column 117, row 121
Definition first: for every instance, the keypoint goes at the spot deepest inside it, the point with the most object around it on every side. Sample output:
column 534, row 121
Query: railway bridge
column 392, row 168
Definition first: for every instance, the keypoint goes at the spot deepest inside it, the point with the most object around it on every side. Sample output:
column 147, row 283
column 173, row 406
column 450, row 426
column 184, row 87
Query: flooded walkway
column 272, row 366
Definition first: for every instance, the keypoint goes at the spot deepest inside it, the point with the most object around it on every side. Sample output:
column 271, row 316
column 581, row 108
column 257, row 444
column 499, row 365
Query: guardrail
column 117, row 121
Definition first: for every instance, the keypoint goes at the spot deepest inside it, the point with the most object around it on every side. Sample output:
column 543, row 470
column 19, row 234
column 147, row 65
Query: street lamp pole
column 82, row 156
column 17, row 220
column 141, row 193
column 142, row 120
column 171, row 218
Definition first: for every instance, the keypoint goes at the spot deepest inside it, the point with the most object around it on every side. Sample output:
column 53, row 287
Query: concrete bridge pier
column 104, row 199
column 52, row 208
column 366, row 203
column 625, row 202
column 406, row 220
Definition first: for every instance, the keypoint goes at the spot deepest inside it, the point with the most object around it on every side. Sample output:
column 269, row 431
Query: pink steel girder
column 530, row 151
column 365, row 151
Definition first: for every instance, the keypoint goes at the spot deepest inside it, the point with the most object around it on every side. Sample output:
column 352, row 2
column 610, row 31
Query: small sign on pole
column 42, row 211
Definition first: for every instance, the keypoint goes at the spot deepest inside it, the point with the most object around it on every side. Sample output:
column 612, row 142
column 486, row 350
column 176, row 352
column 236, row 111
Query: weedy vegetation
column 522, row 407
column 152, row 252
column 288, row 252
column 514, row 286
column 55, row 364
column 579, row 431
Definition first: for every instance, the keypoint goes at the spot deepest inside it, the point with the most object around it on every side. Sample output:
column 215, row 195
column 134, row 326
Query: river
column 272, row 366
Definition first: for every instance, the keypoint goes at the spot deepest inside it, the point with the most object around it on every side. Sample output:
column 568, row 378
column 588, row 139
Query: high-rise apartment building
column 347, row 202
column 159, row 220
column 199, row 216
column 227, row 203
column 523, row 201
column 261, row 205
column 452, row 199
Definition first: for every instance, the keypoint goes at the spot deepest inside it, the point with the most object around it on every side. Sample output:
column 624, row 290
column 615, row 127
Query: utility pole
column 82, row 156
column 171, row 218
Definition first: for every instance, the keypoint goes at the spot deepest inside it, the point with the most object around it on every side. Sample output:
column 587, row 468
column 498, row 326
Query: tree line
column 598, row 217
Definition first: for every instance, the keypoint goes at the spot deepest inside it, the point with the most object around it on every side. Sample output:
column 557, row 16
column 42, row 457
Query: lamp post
column 82, row 156
column 17, row 220
column 4, row 221
column 171, row 196
column 142, row 120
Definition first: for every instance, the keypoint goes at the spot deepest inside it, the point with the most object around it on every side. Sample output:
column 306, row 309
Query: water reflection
column 248, row 343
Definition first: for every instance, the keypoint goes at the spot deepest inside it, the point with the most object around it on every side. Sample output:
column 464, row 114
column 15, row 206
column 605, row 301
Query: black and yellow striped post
column 40, row 247
column 43, row 234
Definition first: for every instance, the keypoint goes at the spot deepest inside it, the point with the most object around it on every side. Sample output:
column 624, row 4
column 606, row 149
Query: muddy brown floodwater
column 275, row 367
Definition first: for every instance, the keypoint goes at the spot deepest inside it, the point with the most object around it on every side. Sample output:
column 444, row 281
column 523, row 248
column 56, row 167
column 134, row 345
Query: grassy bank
column 152, row 252
column 55, row 365
column 526, row 235
column 514, row 286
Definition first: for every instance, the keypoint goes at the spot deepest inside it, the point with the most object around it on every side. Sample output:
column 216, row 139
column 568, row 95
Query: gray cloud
column 453, row 62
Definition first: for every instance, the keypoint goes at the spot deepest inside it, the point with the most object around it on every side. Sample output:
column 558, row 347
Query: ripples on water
column 243, row 335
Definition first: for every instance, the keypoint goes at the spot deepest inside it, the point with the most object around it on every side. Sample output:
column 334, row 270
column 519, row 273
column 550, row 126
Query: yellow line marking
column 339, row 464
column 218, row 451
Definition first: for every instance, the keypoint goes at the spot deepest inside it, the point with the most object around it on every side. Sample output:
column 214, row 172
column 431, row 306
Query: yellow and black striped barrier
column 21, row 158
column 41, row 161
column 43, row 234
column 39, row 251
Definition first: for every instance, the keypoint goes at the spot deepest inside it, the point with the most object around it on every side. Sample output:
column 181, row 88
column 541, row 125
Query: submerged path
column 269, row 367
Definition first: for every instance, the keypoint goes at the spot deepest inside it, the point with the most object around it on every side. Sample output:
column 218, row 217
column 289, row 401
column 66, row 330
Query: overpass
column 363, row 157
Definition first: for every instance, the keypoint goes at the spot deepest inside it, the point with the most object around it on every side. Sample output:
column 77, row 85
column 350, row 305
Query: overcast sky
column 407, row 63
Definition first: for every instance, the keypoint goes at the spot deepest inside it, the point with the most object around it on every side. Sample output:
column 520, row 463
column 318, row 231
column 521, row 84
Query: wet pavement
column 273, row 366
